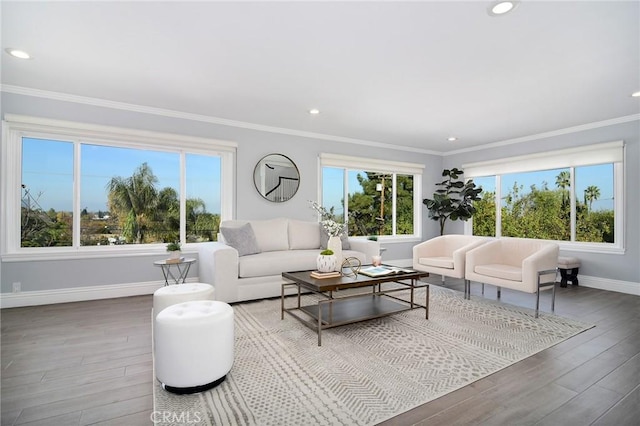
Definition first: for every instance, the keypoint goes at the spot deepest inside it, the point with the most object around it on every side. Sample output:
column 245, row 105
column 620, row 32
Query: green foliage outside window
column 545, row 213
column 139, row 213
column 370, row 210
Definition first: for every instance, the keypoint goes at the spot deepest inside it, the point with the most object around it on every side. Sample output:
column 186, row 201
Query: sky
column 47, row 172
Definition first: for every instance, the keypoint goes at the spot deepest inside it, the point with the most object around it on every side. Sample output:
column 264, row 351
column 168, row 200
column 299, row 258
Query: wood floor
column 90, row 363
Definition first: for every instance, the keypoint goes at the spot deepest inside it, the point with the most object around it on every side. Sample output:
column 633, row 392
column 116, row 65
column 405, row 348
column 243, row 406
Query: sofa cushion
column 438, row 262
column 506, row 272
column 277, row 262
column 271, row 235
column 304, row 235
column 241, row 238
column 344, row 238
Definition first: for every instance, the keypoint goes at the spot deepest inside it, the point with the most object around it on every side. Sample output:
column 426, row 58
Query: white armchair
column 515, row 263
column 445, row 255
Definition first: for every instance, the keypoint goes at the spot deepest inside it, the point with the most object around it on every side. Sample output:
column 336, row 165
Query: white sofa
column 282, row 245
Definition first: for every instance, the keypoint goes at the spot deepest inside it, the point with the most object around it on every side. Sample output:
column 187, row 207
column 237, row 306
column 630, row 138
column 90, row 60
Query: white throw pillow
column 304, row 235
column 271, row 235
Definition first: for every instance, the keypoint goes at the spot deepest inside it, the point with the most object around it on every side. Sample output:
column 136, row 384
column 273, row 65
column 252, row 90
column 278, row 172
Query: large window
column 68, row 186
column 579, row 204
column 376, row 198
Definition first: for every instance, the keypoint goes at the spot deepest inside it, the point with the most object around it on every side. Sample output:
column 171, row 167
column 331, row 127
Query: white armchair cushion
column 271, row 235
column 506, row 272
column 438, row 262
column 304, row 235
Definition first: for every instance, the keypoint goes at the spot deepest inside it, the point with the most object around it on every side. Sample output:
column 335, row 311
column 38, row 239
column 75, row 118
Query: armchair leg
column 553, row 291
column 483, row 289
column 467, row 289
column 499, row 292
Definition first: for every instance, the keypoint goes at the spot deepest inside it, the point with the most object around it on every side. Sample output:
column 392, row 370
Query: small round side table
column 182, row 267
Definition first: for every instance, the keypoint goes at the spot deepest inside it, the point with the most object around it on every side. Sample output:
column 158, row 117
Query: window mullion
column 393, row 204
column 345, row 195
column 183, row 197
column 77, row 182
column 572, row 214
column 498, row 201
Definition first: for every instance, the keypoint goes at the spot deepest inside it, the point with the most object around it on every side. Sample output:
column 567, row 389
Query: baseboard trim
column 79, row 294
column 627, row 287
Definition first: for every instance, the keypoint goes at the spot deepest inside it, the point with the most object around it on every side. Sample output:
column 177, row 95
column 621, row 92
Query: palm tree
column 134, row 200
column 591, row 193
column 563, row 181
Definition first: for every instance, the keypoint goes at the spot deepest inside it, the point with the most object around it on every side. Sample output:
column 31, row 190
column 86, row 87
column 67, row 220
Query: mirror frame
column 288, row 182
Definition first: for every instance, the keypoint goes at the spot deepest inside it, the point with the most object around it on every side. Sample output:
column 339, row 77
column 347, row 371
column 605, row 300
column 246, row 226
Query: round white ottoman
column 193, row 345
column 179, row 293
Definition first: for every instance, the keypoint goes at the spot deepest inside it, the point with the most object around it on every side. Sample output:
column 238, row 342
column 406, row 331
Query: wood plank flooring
column 89, row 363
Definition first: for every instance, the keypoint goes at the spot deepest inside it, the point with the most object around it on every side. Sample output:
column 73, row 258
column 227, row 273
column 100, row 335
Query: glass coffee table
column 335, row 307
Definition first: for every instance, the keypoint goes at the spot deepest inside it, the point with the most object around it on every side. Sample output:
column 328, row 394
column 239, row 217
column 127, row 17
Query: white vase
column 335, row 245
column 174, row 254
column 326, row 263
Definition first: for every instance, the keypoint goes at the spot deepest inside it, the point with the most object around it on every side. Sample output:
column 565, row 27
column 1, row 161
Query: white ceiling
column 410, row 74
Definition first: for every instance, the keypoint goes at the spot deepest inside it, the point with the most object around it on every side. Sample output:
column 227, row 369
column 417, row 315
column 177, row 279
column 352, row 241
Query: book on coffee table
column 321, row 275
column 381, row 271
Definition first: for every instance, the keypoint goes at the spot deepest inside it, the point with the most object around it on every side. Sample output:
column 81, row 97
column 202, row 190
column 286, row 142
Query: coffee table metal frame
column 334, row 310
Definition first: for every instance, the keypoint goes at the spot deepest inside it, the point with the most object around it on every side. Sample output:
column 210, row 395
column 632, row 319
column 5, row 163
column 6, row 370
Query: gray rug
column 363, row 373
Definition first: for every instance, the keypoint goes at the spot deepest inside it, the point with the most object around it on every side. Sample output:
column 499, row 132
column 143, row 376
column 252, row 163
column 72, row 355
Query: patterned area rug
column 366, row 372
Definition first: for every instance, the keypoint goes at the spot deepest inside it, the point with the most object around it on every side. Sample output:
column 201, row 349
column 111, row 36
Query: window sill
column 591, row 248
column 76, row 254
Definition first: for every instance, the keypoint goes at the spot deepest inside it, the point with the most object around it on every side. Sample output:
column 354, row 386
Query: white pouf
column 193, row 345
column 179, row 293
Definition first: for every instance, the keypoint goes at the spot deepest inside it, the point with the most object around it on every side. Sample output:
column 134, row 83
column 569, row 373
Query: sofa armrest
column 368, row 247
column 219, row 267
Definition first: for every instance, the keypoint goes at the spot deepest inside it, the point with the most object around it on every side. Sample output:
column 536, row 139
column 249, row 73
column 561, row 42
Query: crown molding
column 553, row 133
column 65, row 97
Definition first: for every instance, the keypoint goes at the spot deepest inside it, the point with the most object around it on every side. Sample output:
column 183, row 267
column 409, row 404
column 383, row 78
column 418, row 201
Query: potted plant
column 326, row 261
column 174, row 250
column 454, row 200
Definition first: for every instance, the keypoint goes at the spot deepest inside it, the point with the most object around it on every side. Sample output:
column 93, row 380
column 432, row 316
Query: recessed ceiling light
column 314, row 111
column 501, row 7
column 17, row 53
column 636, row 95
column 452, row 139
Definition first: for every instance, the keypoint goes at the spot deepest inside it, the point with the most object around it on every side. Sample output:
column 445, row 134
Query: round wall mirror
column 276, row 178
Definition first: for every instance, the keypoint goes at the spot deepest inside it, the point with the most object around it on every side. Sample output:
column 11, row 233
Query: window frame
column 571, row 158
column 349, row 163
column 16, row 127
